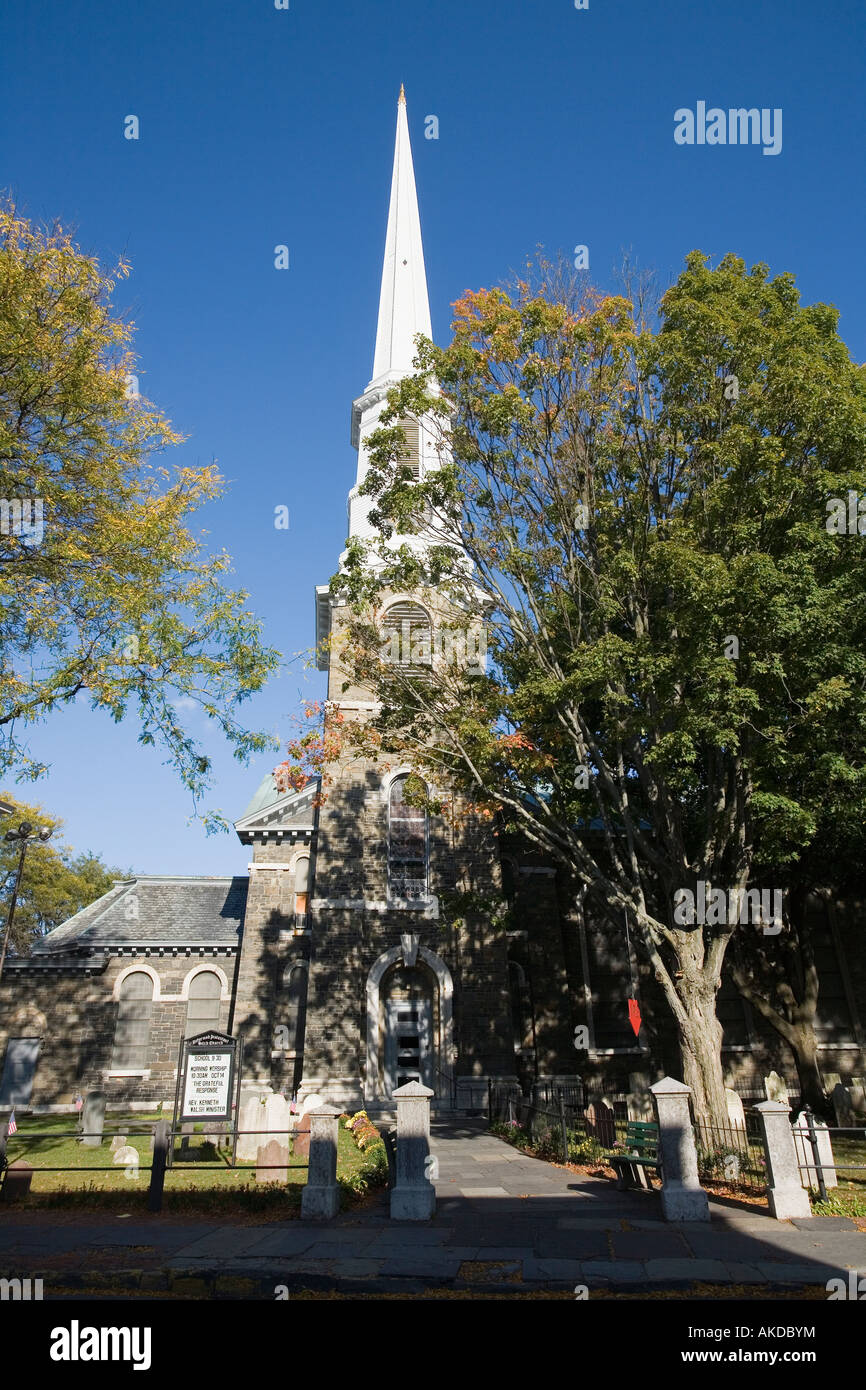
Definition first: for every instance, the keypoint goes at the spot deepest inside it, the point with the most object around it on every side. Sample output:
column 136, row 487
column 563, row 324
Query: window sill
column 143, row 1072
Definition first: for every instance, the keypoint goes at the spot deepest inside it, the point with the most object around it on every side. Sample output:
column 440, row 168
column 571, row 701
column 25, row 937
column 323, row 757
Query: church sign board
column 209, row 1063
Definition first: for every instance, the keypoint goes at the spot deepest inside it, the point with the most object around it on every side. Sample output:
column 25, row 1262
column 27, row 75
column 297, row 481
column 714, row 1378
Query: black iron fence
column 732, row 1155
column 826, row 1152
column 573, row 1124
column 563, row 1123
column 164, row 1141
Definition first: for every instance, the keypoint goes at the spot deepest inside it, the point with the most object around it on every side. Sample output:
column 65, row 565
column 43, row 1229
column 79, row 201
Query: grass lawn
column 202, row 1169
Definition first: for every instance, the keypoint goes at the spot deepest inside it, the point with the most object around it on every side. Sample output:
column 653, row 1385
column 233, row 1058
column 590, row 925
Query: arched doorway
column 407, row 986
column 408, row 1027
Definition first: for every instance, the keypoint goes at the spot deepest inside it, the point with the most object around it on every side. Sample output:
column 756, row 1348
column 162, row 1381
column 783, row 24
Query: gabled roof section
column 150, row 909
column 273, row 811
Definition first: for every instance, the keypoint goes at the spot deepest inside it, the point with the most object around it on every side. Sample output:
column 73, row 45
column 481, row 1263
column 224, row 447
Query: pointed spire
column 404, row 309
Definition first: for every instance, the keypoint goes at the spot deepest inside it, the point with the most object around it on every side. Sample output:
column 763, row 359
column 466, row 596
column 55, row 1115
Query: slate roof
column 182, row 910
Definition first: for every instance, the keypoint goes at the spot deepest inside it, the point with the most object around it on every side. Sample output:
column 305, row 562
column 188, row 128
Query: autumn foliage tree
column 104, row 591
column 635, row 507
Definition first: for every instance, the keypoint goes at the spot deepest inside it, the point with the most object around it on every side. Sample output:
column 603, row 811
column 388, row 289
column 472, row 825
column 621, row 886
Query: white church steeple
column 404, row 312
column 404, row 309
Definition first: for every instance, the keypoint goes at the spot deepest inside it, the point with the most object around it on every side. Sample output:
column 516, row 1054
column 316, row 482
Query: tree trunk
column 700, row 1040
column 804, row 1046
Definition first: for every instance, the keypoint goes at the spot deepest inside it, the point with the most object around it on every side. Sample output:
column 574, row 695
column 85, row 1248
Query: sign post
column 207, row 1078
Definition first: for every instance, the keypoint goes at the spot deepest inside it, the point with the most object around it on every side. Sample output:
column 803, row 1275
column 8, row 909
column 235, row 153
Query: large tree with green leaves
column 780, row 978
column 641, row 507
column 104, row 591
column 56, row 881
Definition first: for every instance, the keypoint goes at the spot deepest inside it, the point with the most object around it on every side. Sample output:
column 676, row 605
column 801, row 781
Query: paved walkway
column 504, row 1222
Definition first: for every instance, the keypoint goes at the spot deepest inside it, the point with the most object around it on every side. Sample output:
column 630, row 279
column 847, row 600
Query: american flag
column 78, row 1102
column 12, row 1127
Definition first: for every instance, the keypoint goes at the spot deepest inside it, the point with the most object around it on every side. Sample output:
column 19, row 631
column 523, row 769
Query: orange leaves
column 515, row 740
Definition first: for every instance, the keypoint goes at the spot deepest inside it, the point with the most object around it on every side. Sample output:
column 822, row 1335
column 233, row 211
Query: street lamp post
column 25, row 833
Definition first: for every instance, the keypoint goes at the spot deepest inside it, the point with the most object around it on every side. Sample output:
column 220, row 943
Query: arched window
column 203, row 1004
column 295, row 984
column 132, row 1029
column 509, row 881
column 407, row 635
column 407, row 845
column 302, row 887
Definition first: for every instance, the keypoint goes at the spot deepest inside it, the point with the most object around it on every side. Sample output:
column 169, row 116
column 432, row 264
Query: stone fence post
column 786, row 1194
column 320, row 1199
column 683, row 1198
column 413, row 1197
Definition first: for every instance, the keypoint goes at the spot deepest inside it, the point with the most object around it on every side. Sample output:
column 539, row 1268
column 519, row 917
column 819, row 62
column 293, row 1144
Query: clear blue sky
column 262, row 126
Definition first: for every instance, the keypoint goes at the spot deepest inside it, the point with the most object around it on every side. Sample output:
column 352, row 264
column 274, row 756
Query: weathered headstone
column 16, row 1184
column 93, row 1119
column 736, row 1112
column 118, row 1142
column 266, row 1117
column 843, row 1107
column 640, row 1106
column 806, row 1153
column 272, row 1162
column 129, row 1157
column 606, row 1124
column 301, row 1138
column 776, row 1088
column 857, row 1092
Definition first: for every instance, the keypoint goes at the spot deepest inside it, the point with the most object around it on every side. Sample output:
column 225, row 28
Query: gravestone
column 606, row 1124
column 857, row 1092
column 640, row 1105
column 776, row 1089
column 736, row 1113
column 127, row 1155
column 275, row 1152
column 301, row 1138
column 250, row 1125
column 843, row 1107
column 600, row 1122
column 831, row 1079
column 93, row 1119
column 19, row 1176
column 267, row 1116
column 806, row 1153
column 118, row 1142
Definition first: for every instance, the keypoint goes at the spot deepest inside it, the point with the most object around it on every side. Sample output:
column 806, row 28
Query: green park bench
column 640, row 1152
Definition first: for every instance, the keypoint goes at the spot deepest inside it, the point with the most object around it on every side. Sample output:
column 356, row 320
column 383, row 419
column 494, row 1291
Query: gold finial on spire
column 402, row 97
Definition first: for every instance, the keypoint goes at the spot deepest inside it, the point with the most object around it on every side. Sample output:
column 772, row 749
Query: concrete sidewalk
column 504, row 1222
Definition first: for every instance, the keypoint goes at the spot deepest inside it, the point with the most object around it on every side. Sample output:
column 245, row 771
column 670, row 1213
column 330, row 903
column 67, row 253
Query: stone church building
column 332, row 957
